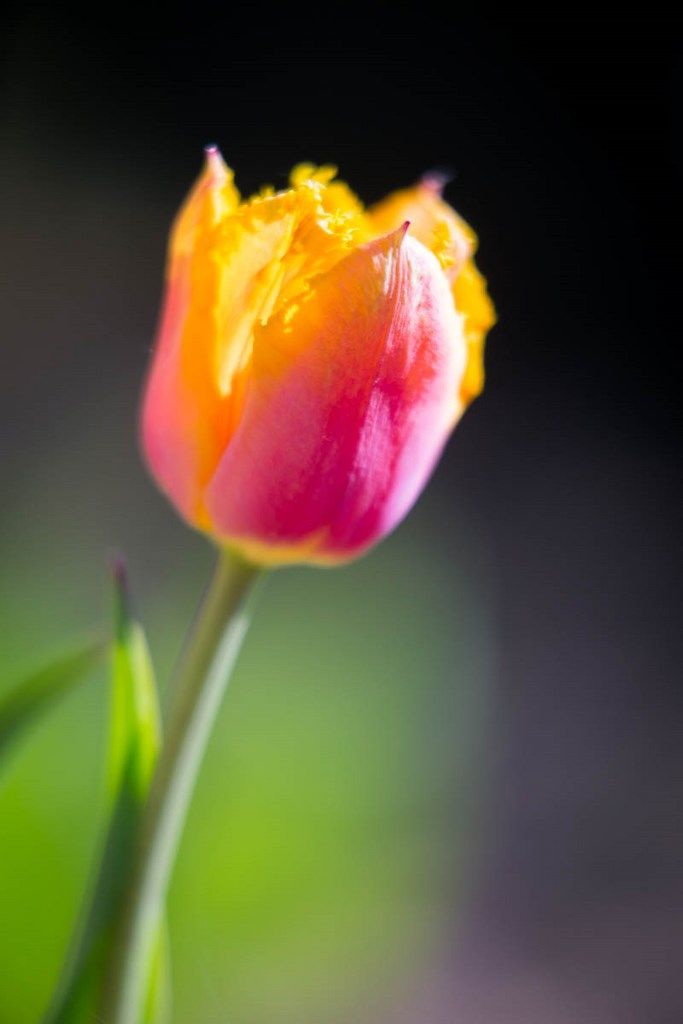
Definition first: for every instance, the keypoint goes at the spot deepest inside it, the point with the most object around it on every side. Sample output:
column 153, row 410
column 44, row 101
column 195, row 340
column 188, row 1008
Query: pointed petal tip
column 436, row 180
column 399, row 235
column 213, row 161
column 392, row 240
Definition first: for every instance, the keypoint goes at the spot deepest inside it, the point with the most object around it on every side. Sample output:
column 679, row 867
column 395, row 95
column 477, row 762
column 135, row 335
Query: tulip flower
column 311, row 362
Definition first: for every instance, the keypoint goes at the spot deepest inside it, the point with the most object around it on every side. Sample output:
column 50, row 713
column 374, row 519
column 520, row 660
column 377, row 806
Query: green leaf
column 157, row 1008
column 35, row 694
column 134, row 742
column 135, row 729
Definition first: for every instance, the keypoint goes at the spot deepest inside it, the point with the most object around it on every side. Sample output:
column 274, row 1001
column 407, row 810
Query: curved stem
column 207, row 661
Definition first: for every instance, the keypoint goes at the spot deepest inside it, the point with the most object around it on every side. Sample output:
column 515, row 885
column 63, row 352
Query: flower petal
column 432, row 221
column 231, row 267
column 472, row 300
column 351, row 397
column 181, row 430
column 453, row 242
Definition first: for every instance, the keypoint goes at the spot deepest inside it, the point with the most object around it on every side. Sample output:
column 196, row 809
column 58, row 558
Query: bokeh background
column 446, row 785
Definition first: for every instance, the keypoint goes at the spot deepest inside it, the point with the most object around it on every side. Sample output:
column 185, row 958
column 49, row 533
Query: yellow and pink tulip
column 312, row 360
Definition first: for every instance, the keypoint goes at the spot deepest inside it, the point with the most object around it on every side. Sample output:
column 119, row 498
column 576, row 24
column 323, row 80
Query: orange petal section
column 182, row 425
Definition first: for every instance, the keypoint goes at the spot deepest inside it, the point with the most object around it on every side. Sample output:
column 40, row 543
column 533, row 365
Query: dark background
column 561, row 134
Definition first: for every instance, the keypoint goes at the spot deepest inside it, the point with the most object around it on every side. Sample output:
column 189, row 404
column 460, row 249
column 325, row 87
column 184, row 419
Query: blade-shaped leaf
column 35, row 694
column 134, row 741
column 135, row 729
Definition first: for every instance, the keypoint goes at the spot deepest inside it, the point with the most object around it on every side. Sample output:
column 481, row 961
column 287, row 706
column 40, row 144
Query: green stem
column 202, row 677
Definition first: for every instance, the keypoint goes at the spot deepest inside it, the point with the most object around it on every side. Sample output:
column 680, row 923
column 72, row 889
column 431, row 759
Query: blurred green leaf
column 135, row 729
column 157, row 1008
column 134, row 741
column 39, row 690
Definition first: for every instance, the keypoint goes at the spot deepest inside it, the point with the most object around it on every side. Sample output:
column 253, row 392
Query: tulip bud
column 309, row 366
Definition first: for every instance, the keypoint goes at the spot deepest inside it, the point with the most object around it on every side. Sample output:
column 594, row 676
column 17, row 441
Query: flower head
column 311, row 361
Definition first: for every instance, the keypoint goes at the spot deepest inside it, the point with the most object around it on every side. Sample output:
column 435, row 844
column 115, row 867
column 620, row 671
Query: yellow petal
column 268, row 251
column 472, row 300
